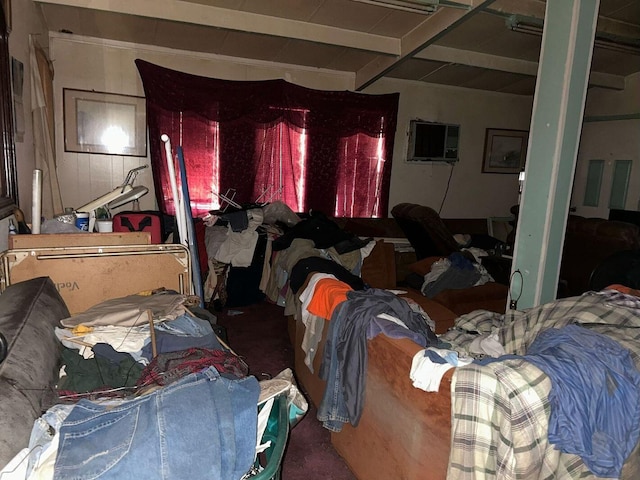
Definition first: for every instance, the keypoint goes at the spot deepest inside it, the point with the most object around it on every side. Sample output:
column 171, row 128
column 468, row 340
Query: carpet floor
column 259, row 335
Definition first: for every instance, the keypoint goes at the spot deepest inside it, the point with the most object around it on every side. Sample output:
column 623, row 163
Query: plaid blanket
column 500, row 411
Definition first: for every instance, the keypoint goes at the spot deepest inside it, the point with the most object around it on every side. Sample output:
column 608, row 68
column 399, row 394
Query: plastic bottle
column 12, row 228
column 22, row 226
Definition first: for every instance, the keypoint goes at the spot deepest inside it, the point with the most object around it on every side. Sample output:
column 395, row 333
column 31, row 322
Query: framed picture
column 107, row 123
column 504, row 150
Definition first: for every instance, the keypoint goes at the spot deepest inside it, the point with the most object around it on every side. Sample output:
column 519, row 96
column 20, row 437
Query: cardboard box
column 86, row 276
column 78, row 239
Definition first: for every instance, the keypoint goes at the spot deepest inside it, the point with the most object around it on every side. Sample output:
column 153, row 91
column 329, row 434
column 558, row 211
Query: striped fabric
column 500, row 411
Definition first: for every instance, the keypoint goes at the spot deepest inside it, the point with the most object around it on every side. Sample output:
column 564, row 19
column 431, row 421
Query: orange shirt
column 328, row 294
column 624, row 289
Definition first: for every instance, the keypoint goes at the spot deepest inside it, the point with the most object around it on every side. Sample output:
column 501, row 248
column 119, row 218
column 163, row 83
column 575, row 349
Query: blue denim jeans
column 202, row 426
column 186, row 325
column 332, row 411
column 43, row 431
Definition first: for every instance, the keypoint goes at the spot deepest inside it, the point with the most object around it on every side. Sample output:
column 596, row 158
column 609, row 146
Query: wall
column 612, row 135
column 109, row 67
column 26, row 20
column 471, row 193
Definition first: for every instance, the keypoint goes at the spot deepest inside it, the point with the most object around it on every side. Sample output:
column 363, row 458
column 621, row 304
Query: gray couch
column 29, row 311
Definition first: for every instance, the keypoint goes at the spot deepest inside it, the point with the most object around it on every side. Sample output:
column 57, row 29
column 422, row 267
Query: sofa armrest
column 404, row 432
column 29, row 311
column 424, row 265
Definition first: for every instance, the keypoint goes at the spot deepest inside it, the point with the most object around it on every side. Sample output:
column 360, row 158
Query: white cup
column 104, row 226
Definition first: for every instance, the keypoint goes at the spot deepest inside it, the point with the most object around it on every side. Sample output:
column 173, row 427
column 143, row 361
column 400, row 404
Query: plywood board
column 78, row 239
column 86, row 276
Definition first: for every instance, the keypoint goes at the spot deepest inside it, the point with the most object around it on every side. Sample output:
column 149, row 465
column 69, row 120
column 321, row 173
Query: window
column 363, row 159
column 594, row 182
column 620, row 184
column 281, row 153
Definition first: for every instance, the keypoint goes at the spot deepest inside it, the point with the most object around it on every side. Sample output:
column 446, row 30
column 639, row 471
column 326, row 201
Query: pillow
column 29, row 312
column 422, row 267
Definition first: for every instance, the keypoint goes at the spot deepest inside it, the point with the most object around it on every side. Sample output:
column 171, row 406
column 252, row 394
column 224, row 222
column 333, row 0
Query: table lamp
column 117, row 197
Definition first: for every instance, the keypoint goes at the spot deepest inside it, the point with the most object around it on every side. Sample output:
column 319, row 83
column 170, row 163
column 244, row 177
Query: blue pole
column 191, row 231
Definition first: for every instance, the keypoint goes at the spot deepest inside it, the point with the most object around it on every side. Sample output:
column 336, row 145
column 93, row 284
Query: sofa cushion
column 29, row 311
column 379, row 268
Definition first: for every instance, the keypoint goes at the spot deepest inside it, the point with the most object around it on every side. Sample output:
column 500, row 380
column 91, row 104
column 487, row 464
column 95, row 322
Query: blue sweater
column 594, row 398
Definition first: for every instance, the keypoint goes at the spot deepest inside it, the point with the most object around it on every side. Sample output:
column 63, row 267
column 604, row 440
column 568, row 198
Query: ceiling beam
column 535, row 9
column 617, row 28
column 527, row 8
column 457, row 56
column 390, row 51
column 197, row 14
column 606, row 80
column 429, row 31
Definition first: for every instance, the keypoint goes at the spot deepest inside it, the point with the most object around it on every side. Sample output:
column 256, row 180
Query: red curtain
column 268, row 140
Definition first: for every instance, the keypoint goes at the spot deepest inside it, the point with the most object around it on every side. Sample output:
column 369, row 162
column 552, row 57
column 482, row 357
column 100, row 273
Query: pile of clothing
column 350, row 318
column 562, row 395
column 456, row 271
column 148, row 390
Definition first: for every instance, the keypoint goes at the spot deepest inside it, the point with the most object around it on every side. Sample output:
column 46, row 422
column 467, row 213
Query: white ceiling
column 466, row 45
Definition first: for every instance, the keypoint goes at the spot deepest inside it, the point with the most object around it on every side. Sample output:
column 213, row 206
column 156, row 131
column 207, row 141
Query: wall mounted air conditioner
column 433, row 142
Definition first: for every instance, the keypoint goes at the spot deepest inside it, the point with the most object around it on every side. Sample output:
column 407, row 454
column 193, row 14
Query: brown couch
column 398, row 420
column 588, row 242
column 379, row 271
column 491, row 296
column 403, row 432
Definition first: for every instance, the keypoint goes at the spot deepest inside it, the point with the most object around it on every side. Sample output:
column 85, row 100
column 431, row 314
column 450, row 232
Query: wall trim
column 612, row 118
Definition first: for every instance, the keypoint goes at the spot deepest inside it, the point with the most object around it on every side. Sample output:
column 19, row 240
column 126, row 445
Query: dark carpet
column 259, row 335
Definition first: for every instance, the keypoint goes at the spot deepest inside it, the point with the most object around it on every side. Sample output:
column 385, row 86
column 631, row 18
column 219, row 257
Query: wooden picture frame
column 505, row 150
column 104, row 123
